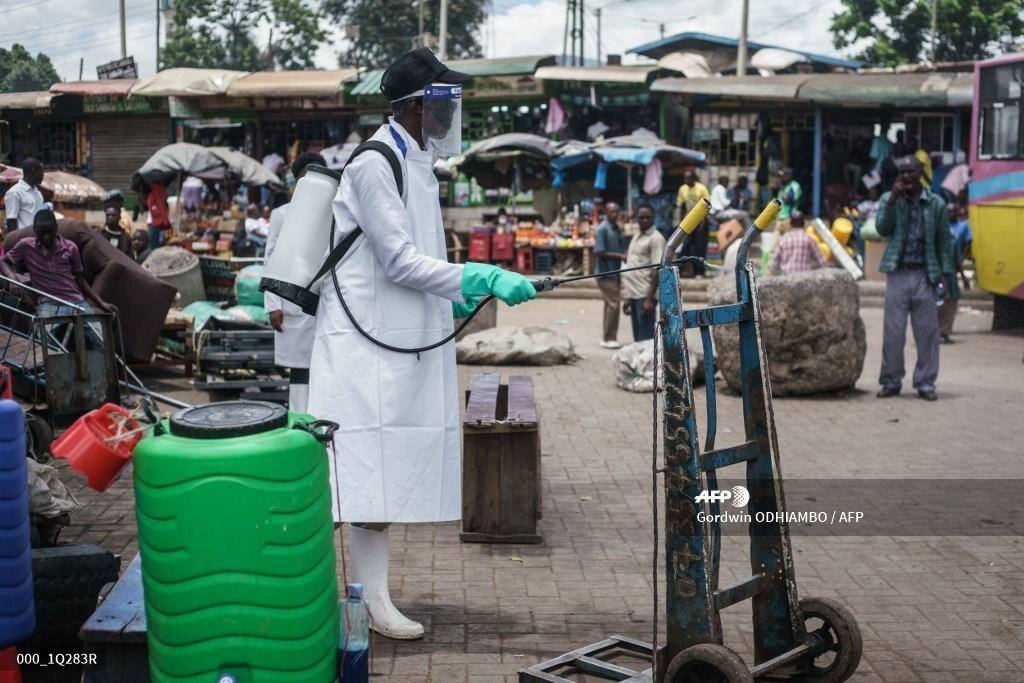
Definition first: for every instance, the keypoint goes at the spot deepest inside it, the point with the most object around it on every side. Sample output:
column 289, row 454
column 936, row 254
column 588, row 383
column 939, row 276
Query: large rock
column 812, row 329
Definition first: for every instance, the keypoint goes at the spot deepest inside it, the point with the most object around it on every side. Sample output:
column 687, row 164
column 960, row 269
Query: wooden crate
column 501, row 499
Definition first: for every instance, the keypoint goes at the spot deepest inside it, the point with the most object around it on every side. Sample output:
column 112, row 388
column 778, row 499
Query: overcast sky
column 74, row 30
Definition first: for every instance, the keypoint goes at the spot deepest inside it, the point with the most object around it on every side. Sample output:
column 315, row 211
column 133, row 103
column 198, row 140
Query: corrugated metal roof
column 692, row 40
column 312, row 83
column 369, row 82
column 113, row 86
column 34, row 99
column 598, row 74
column 897, row 90
column 900, row 90
column 186, row 82
column 783, row 87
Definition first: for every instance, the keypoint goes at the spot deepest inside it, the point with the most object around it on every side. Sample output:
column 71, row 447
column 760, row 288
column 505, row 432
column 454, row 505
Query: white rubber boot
column 369, row 552
column 298, row 397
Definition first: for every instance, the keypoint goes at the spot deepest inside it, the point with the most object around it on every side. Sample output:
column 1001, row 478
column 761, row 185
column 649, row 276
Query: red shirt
column 156, row 204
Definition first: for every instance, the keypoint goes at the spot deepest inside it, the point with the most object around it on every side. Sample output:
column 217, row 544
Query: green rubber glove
column 481, row 279
column 464, row 309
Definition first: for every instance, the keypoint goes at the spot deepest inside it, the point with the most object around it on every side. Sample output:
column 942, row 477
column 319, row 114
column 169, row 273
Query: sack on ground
column 529, row 345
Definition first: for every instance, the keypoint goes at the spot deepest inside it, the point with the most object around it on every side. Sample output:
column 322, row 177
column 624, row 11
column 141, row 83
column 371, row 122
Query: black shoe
column 946, row 339
column 927, row 394
column 888, row 392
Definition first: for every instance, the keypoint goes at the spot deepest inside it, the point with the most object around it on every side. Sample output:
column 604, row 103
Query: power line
column 31, row 4
column 79, row 22
column 791, row 17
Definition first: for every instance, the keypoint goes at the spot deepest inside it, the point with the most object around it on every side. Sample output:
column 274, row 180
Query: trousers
column 643, row 323
column 611, row 293
column 908, row 293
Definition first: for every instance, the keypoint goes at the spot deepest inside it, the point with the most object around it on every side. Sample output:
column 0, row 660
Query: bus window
column 999, row 97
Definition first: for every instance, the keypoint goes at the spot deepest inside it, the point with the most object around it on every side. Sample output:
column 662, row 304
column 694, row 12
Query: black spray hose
column 689, row 223
column 545, row 285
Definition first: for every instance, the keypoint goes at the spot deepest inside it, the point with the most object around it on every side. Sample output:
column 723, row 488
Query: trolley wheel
column 707, row 663
column 838, row 639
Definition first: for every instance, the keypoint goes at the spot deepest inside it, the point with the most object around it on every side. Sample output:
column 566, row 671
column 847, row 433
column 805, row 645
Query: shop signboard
column 705, row 134
column 492, row 87
column 117, row 104
column 183, row 107
column 119, row 68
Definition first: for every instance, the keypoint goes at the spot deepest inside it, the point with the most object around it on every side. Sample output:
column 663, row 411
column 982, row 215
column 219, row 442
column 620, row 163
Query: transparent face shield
column 442, row 119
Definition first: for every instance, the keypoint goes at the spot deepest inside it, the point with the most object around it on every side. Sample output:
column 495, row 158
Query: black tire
column 836, row 630
column 707, row 663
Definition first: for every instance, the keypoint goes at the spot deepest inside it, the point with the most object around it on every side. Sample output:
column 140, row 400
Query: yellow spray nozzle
column 769, row 214
column 695, row 216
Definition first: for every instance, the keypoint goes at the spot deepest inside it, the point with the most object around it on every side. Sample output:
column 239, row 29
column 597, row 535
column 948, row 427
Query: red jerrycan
column 99, row 444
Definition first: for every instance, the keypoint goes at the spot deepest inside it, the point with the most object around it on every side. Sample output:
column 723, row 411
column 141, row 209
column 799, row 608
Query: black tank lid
column 227, row 419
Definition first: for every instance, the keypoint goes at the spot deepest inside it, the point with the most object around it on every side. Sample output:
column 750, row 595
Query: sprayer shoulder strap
column 338, row 252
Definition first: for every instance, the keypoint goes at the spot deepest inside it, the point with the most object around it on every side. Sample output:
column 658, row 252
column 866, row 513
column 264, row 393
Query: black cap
column 414, row 70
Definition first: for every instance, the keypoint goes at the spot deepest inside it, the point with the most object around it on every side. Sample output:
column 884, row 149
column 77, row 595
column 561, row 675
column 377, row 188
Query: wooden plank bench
column 117, row 631
column 501, row 487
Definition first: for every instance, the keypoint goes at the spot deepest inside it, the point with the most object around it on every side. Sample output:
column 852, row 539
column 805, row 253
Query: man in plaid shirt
column 796, row 252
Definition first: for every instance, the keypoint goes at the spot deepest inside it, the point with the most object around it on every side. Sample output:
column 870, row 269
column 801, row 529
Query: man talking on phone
column 918, row 262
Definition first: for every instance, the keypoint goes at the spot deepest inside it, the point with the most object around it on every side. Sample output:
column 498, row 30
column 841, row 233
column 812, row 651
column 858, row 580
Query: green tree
column 384, row 29
column 223, row 34
column 20, row 71
column 896, row 32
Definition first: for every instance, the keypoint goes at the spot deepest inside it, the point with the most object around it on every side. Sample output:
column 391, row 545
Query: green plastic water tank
column 234, row 512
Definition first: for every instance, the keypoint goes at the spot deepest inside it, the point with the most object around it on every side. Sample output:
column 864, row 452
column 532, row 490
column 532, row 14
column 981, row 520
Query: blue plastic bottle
column 354, row 640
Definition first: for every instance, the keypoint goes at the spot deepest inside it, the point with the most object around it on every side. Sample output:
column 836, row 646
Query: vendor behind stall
column 112, row 231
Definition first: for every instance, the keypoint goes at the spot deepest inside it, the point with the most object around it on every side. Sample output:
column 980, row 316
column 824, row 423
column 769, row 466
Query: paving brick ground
column 930, row 608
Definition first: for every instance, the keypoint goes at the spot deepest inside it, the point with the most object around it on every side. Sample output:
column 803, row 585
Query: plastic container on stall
column 234, row 515
column 17, row 607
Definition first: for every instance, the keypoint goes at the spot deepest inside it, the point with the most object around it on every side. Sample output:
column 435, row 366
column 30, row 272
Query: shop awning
column 321, row 83
column 914, row 90
column 186, row 82
column 112, row 87
column 598, row 74
column 369, row 82
column 34, row 99
column 783, row 87
column 896, row 90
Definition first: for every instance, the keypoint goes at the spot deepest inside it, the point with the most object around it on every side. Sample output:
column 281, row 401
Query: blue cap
column 355, row 590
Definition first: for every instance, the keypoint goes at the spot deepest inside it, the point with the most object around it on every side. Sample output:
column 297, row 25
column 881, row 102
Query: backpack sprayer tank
column 304, row 240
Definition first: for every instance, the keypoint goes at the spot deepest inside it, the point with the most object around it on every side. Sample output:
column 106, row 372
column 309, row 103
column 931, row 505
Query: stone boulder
column 813, row 333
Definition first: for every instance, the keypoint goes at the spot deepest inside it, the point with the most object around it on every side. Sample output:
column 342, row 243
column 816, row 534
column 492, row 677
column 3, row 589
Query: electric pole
column 124, row 43
column 741, row 51
column 443, row 47
column 156, row 67
column 935, row 26
column 420, row 42
column 597, row 13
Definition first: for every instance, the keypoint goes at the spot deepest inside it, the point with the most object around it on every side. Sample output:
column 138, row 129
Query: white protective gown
column 397, row 451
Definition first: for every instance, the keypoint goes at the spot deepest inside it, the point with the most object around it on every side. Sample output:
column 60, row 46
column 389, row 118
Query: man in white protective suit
column 396, row 455
column 293, row 329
